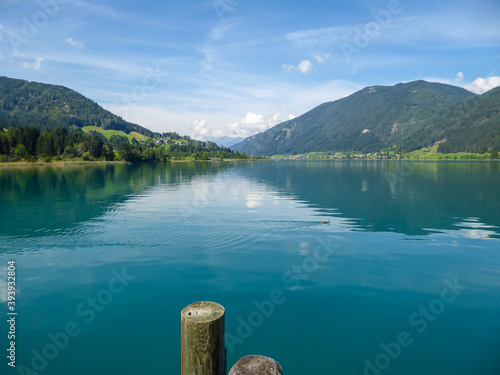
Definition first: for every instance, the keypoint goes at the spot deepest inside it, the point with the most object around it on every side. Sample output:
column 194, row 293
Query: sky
column 233, row 68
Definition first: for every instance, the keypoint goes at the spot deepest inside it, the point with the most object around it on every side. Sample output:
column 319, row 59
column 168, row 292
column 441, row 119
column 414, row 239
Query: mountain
column 24, row 103
column 409, row 115
column 472, row 126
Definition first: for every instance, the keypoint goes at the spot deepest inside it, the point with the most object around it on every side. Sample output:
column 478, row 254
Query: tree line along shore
column 28, row 144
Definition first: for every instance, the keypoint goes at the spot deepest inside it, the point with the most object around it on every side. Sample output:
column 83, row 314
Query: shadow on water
column 414, row 198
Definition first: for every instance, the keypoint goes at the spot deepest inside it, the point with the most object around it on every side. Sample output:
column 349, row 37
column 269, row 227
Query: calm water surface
column 403, row 279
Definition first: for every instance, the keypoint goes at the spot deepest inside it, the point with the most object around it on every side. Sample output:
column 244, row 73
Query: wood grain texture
column 256, row 365
column 203, row 351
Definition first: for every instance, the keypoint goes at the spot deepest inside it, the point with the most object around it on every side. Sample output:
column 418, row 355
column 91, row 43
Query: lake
column 329, row 267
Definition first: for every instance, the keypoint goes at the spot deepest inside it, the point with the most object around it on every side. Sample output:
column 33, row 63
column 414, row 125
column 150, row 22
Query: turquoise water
column 404, row 278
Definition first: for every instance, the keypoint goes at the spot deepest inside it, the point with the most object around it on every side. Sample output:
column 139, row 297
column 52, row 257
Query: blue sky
column 237, row 67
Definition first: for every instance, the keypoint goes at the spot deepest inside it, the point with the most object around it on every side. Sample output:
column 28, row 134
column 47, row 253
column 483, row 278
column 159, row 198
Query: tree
column 96, row 146
column 70, row 152
column 128, row 153
column 30, row 139
column 494, row 154
column 160, row 154
column 4, row 144
column 59, row 139
column 82, row 148
column 45, row 145
column 11, row 135
column 108, row 153
column 21, row 151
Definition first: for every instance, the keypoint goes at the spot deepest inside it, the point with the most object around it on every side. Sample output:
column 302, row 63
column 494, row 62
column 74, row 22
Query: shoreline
column 67, row 163
column 60, row 163
column 23, row 164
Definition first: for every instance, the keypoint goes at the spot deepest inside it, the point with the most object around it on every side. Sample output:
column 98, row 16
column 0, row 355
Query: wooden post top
column 203, row 312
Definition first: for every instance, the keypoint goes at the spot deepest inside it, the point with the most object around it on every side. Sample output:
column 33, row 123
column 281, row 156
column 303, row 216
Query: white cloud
column 252, row 123
column 478, row 86
column 321, row 57
column 35, row 65
column 481, row 85
column 74, row 43
column 304, row 67
column 1, row 37
column 200, row 128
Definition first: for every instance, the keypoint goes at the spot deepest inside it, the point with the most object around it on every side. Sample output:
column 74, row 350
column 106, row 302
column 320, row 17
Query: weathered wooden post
column 203, row 351
column 256, row 365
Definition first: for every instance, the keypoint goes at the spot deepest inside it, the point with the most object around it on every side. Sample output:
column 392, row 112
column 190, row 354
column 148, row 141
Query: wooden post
column 256, row 365
column 203, row 351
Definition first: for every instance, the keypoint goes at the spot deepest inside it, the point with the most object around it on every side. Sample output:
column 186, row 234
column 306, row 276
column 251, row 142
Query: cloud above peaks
column 200, row 128
column 252, row 123
column 481, row 85
column 478, row 86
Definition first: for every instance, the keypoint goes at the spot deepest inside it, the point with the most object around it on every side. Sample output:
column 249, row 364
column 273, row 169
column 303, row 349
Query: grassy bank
column 109, row 133
column 432, row 154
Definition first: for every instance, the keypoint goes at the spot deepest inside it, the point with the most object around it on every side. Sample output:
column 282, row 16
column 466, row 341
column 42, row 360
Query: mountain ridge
column 48, row 106
column 409, row 115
